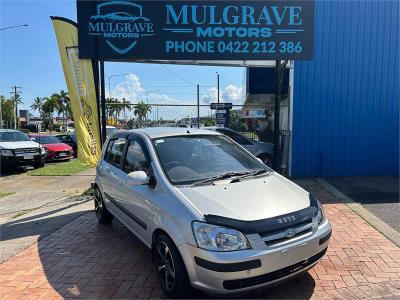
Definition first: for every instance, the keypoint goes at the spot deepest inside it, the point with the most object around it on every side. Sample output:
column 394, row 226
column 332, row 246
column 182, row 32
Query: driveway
column 39, row 206
column 379, row 195
column 86, row 260
column 32, row 192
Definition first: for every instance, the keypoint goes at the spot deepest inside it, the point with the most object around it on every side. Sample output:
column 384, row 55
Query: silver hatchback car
column 214, row 216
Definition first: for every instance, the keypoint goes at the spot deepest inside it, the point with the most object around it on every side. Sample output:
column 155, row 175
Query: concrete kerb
column 370, row 218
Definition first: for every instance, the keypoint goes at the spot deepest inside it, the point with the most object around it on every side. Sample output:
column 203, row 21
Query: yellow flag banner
column 81, row 88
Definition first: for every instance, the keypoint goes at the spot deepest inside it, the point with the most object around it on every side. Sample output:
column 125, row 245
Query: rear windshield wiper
column 220, row 177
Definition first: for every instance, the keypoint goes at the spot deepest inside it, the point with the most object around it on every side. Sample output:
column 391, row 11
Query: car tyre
column 170, row 268
column 102, row 213
column 39, row 165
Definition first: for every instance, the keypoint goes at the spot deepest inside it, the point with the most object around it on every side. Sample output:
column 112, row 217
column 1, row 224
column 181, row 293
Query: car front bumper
column 15, row 161
column 239, row 271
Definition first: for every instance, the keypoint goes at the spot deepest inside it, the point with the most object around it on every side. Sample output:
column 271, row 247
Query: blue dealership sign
column 196, row 30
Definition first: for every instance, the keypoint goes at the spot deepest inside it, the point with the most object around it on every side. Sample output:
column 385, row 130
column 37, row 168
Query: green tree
column 7, row 111
column 63, row 106
column 17, row 101
column 37, row 105
column 50, row 106
column 126, row 106
column 209, row 123
column 141, row 110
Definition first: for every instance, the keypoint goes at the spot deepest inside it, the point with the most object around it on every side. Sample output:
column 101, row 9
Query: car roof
column 9, row 130
column 159, row 132
column 39, row 134
column 217, row 128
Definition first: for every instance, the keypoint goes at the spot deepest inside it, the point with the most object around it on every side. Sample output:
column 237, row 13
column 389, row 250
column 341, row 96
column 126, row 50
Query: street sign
column 221, row 106
column 196, row 30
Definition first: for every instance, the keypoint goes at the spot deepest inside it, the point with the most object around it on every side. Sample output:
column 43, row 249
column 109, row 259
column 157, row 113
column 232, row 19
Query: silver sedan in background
column 262, row 150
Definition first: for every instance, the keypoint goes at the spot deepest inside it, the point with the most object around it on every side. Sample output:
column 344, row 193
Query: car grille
column 261, row 279
column 22, row 151
column 286, row 234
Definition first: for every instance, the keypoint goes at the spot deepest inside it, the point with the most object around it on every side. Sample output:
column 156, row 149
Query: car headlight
column 217, row 238
column 6, row 152
column 320, row 215
column 42, row 150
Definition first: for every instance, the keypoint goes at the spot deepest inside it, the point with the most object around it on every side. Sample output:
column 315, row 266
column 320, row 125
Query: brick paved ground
column 87, row 260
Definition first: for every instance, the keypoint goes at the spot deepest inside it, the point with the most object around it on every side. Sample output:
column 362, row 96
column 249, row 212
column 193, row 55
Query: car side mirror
column 137, row 178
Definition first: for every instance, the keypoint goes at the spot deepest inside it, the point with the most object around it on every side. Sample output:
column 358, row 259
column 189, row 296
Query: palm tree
column 37, row 105
column 17, row 100
column 126, row 106
column 62, row 99
column 50, row 105
column 141, row 110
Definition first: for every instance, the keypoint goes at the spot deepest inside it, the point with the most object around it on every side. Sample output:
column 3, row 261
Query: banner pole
column 103, row 102
column 95, row 64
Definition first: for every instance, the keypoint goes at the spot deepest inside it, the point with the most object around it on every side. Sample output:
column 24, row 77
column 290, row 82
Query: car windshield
column 13, row 136
column 192, row 159
column 46, row 139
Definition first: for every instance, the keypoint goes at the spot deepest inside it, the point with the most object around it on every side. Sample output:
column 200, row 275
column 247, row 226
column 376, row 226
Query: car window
column 64, row 138
column 136, row 159
column 13, row 136
column 201, row 157
column 114, row 151
column 241, row 140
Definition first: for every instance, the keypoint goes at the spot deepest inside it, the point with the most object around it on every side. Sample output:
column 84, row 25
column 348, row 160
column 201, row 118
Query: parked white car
column 214, row 216
column 17, row 149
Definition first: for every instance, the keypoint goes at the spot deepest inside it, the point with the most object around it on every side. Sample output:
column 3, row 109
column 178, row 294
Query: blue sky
column 29, row 58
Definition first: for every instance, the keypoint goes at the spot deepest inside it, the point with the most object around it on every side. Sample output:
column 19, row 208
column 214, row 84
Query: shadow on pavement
column 379, row 195
column 88, row 260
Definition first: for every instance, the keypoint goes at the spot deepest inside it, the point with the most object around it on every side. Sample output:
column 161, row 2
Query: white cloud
column 230, row 94
column 131, row 89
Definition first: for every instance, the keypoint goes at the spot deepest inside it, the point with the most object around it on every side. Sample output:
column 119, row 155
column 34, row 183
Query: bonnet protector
column 268, row 225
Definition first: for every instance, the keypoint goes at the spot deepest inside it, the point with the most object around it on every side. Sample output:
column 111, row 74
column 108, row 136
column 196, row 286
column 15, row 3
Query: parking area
column 86, row 260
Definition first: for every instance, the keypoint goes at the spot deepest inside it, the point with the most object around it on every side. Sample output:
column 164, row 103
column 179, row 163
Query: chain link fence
column 255, row 122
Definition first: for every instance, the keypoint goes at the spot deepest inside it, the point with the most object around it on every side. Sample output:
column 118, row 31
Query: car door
column 136, row 200
column 111, row 173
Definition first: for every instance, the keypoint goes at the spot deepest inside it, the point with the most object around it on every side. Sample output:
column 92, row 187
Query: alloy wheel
column 98, row 203
column 165, row 266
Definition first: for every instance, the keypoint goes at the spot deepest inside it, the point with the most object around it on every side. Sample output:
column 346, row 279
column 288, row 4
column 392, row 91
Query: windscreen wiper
column 250, row 174
column 220, row 177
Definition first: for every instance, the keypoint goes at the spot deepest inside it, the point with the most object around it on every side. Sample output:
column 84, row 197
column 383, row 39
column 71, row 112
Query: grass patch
column 3, row 194
column 60, row 169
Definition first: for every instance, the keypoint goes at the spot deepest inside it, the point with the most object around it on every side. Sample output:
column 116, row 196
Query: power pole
column 16, row 93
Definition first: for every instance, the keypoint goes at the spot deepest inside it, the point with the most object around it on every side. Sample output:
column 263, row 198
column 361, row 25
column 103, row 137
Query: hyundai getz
column 214, row 216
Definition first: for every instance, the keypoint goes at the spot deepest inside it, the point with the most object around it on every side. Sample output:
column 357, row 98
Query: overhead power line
column 177, row 76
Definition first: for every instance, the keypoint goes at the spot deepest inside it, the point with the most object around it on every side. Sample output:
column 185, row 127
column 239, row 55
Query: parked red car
column 55, row 149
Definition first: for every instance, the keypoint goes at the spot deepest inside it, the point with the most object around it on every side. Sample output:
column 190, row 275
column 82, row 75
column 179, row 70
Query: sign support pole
column 198, row 106
column 278, row 72
column 95, row 64
column 103, row 102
